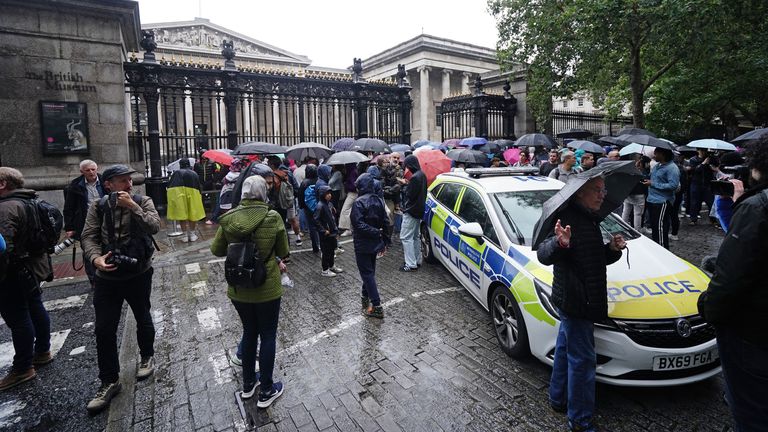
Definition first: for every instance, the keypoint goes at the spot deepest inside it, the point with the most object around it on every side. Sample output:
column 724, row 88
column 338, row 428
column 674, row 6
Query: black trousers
column 108, row 297
column 327, row 247
column 660, row 222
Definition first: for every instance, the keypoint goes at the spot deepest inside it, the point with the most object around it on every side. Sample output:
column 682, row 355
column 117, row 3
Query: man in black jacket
column 737, row 299
column 579, row 292
column 414, row 201
column 78, row 195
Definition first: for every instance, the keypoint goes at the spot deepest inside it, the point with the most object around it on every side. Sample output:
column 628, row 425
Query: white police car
column 478, row 223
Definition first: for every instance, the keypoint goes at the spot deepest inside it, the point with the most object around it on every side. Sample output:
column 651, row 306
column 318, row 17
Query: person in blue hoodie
column 324, row 175
column 325, row 222
column 370, row 232
column 664, row 181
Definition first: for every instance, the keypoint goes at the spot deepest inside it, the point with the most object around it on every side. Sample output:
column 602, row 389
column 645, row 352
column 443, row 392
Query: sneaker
column 380, row 255
column 692, row 223
column 209, row 222
column 146, row 368
column 365, row 302
column 346, row 233
column 234, row 360
column 192, row 237
column 647, row 230
column 299, row 242
column 104, row 395
column 15, row 378
column 339, row 250
column 266, row 398
column 405, row 268
column 249, row 391
column 41, row 359
column 374, row 312
column 336, row 269
column 674, row 237
column 328, row 273
column 184, row 239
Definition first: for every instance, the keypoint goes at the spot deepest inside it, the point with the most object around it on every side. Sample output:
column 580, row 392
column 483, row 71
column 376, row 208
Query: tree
column 613, row 49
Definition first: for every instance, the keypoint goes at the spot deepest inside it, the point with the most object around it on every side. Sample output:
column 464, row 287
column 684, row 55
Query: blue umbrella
column 342, row 144
column 472, row 141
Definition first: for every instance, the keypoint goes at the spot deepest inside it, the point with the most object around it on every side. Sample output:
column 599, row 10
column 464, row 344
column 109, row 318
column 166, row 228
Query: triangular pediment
column 202, row 36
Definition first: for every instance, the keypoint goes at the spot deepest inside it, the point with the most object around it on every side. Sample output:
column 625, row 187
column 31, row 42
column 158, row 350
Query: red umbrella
column 221, row 156
column 512, row 155
column 433, row 162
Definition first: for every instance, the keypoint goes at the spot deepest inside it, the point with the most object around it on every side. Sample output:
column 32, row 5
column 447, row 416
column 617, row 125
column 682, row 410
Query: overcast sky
column 332, row 32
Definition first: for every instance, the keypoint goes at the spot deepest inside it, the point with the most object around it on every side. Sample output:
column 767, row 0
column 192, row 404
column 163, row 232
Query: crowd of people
column 262, row 200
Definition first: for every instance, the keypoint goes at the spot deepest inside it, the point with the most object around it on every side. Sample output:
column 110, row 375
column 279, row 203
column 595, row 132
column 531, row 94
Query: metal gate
column 596, row 123
column 479, row 114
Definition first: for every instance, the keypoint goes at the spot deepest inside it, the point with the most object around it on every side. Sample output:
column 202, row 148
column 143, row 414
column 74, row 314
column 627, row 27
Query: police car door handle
column 487, row 268
column 454, row 230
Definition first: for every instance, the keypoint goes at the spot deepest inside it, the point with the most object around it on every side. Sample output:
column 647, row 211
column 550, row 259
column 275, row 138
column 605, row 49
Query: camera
column 59, row 248
column 721, row 187
column 724, row 187
column 123, row 262
column 739, row 172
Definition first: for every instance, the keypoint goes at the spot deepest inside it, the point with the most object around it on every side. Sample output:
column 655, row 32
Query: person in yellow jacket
column 185, row 203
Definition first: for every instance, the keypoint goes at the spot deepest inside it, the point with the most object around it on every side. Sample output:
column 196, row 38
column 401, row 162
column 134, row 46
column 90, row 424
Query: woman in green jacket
column 258, row 308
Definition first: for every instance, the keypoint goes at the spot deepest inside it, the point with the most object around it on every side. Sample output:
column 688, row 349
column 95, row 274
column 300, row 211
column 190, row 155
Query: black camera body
column 123, row 262
column 724, row 187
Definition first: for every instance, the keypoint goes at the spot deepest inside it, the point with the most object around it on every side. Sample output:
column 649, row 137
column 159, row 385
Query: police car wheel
column 509, row 323
column 426, row 245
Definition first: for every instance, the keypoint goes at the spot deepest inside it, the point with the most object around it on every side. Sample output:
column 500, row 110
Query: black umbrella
column 370, row 145
column 609, row 140
column 257, row 148
column 646, row 140
column 536, row 140
column 620, row 178
column 750, row 136
column 346, row 157
column 468, row 156
column 629, row 130
column 577, row 133
column 301, row 151
column 503, row 143
column 685, row 149
column 587, row 146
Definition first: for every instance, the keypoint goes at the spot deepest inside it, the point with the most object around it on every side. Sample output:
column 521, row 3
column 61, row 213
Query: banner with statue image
column 64, row 127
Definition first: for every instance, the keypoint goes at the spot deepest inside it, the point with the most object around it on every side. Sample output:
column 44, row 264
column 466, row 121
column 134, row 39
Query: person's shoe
column 192, row 237
column 406, row 269
column 209, row 222
column 15, row 378
column 674, row 237
column 346, row 233
column 339, row 250
column 646, row 230
column 589, row 428
column 146, row 368
column 380, row 255
column 104, row 395
column 236, row 361
column 328, row 273
column 299, row 242
column 316, row 252
column 248, row 392
column 184, row 239
column 41, row 359
column 562, row 409
column 692, row 223
column 336, row 269
column 365, row 302
column 374, row 312
column 266, row 398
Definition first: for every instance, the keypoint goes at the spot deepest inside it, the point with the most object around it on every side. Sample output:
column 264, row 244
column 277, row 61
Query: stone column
column 447, row 83
column 465, row 77
column 424, row 101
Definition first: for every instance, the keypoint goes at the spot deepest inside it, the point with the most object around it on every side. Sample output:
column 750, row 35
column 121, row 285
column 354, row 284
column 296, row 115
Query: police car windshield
column 524, row 210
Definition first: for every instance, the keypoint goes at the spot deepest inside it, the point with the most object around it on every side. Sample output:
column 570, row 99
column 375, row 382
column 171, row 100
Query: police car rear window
column 448, row 195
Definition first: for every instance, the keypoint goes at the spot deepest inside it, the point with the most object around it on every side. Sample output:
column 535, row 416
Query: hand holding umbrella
column 617, row 243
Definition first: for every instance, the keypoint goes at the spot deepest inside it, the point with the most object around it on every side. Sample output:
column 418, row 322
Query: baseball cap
column 116, row 170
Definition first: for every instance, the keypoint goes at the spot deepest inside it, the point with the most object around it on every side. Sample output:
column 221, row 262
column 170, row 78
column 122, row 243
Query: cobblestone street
column 432, row 364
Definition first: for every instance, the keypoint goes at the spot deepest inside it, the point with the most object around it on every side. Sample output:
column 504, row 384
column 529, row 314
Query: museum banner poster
column 64, row 127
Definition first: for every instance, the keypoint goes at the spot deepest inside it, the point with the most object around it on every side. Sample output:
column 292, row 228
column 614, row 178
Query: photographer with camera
column 117, row 239
column 21, row 270
column 731, row 178
column 736, row 300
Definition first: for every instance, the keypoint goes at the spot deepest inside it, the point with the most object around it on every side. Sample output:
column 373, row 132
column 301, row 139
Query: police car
column 478, row 223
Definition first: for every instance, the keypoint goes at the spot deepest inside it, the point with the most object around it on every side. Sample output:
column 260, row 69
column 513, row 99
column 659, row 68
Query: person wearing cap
column 117, row 240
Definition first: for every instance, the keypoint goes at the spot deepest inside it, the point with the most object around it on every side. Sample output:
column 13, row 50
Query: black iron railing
column 479, row 114
column 599, row 124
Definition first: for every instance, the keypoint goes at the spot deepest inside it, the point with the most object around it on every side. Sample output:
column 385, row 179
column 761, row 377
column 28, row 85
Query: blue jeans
column 410, row 236
column 745, row 368
column 313, row 234
column 26, row 317
column 259, row 322
column 366, row 265
column 573, row 374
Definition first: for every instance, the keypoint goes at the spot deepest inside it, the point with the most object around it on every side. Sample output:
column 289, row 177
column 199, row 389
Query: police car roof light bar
column 485, row 172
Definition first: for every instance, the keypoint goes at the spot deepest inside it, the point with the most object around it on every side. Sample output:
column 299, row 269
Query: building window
column 565, row 104
column 438, row 116
column 581, row 101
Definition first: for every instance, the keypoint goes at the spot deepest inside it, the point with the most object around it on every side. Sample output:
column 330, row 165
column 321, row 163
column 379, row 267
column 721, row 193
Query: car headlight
column 544, row 292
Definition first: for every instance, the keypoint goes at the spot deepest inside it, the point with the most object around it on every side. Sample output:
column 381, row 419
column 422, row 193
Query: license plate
column 685, row 361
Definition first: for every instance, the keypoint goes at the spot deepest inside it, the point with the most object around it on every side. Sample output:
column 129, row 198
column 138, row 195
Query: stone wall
column 63, row 51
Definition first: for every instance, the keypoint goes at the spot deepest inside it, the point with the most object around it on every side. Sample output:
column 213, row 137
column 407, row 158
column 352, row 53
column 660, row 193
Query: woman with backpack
column 258, row 307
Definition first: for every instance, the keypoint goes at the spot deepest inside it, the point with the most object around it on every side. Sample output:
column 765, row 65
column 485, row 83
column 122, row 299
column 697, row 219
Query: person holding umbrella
column 664, row 181
column 579, row 288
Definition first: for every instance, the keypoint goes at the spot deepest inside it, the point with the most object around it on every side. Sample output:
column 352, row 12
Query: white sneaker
column 339, row 250
column 346, row 233
column 192, row 237
column 674, row 237
column 336, row 269
column 328, row 273
column 647, row 230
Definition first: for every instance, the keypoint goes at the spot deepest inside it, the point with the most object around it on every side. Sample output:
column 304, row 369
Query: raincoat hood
column 323, row 172
column 374, row 171
column 412, row 162
column 261, row 170
column 311, row 171
column 365, row 184
column 322, row 190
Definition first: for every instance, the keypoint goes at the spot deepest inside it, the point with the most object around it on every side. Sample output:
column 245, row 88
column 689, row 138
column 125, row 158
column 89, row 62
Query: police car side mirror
column 472, row 229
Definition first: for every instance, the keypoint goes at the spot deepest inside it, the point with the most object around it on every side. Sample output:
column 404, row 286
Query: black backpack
column 244, row 266
column 45, row 223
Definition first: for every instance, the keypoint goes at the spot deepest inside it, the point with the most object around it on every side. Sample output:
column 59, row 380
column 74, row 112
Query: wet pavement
column 432, row 364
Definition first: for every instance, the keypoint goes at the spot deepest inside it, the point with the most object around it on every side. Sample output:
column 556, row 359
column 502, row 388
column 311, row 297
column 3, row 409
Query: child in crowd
column 326, row 225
